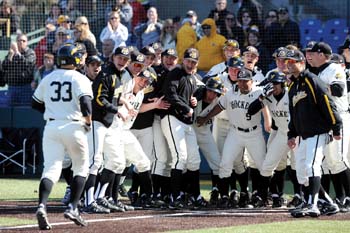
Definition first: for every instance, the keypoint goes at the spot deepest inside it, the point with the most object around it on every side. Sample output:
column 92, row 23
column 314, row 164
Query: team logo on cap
column 147, row 74
column 193, row 55
column 140, row 58
column 282, row 53
column 171, row 51
column 125, row 51
column 156, row 46
column 217, row 78
column 242, row 74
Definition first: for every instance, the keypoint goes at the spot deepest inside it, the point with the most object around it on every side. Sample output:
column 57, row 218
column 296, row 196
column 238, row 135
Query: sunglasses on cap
column 138, row 65
column 290, row 61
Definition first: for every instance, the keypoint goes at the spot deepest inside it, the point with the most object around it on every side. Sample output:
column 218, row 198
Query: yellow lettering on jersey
column 299, row 96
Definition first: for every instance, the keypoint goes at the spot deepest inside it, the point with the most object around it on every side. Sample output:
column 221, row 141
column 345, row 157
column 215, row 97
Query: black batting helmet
column 276, row 77
column 68, row 54
column 215, row 84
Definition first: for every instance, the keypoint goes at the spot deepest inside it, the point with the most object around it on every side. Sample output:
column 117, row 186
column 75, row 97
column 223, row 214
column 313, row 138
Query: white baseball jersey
column 236, row 105
column 217, row 69
column 258, row 76
column 60, row 91
column 333, row 74
column 225, row 79
column 279, row 111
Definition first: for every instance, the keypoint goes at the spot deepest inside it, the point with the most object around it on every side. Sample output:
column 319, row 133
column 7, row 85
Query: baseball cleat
column 43, row 221
column 125, row 207
column 295, row 201
column 329, row 208
column 233, row 199
column 94, row 208
column 277, row 201
column 109, row 205
column 122, row 190
column 66, row 198
column 75, row 217
column 214, row 197
column 309, row 210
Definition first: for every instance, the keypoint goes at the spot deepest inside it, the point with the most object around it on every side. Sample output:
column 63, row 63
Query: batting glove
column 267, row 90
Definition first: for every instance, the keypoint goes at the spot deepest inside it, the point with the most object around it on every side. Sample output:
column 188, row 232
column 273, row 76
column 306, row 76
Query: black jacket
column 178, row 88
column 103, row 106
column 312, row 111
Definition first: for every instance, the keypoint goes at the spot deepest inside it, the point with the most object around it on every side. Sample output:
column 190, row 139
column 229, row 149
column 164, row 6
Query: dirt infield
column 148, row 220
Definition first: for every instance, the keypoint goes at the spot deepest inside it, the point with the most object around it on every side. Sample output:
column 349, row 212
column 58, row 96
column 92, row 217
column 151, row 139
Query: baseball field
column 18, row 200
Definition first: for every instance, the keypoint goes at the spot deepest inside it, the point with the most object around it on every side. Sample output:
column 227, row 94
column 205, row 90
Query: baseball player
column 179, row 87
column 230, row 49
column 161, row 166
column 64, row 96
column 335, row 79
column 207, row 98
column 107, row 89
column 250, row 58
column 276, row 98
column 245, row 130
column 313, row 115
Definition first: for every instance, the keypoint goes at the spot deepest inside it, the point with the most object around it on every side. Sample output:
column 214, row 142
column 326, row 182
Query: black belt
column 247, row 130
column 51, row 119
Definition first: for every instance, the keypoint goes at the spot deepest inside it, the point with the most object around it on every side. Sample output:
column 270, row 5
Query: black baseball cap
column 309, row 45
column 191, row 13
column 295, row 55
column 146, row 74
column 251, row 49
column 346, row 44
column 321, row 47
column 170, row 52
column 235, row 62
column 191, row 54
column 244, row 74
column 137, row 57
column 122, row 51
column 283, row 10
column 280, row 52
column 94, row 58
column 148, row 50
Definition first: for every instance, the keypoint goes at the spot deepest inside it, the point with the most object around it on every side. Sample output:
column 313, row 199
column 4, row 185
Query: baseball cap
column 244, row 74
column 80, row 47
column 337, row 58
column 132, row 48
column 191, row 54
column 157, row 46
column 122, row 51
column 280, row 52
column 346, row 44
column 61, row 30
column 147, row 75
column 62, row 19
column 235, row 62
column 321, row 47
column 94, row 58
column 148, row 50
column 191, row 13
column 137, row 57
column 231, row 43
column 170, row 52
column 309, row 45
column 251, row 49
column 295, row 55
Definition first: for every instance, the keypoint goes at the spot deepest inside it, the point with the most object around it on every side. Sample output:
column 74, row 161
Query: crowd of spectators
column 136, row 23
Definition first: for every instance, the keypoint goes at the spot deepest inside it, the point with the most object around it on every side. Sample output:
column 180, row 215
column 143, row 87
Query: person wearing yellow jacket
column 186, row 38
column 210, row 46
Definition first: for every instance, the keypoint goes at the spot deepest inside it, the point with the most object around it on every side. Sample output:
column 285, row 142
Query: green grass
column 302, row 226
column 5, row 222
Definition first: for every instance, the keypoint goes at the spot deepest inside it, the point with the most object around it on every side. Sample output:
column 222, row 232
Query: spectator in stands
column 177, row 22
column 8, row 12
column 232, row 30
column 81, row 35
column 283, row 32
column 209, row 47
column 83, row 21
column 186, row 38
column 192, row 15
column 149, row 32
column 168, row 35
column 264, row 55
column 18, row 67
column 139, row 13
column 45, row 69
column 61, row 37
column 115, row 30
column 246, row 22
column 54, row 13
column 107, row 49
column 42, row 47
column 125, row 12
column 65, row 21
column 255, row 9
column 219, row 14
column 271, row 17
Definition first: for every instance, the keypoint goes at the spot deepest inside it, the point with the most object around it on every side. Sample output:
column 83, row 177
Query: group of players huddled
column 149, row 113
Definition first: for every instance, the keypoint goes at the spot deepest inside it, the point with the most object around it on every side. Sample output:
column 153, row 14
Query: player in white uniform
column 276, row 98
column 336, row 152
column 245, row 130
column 64, row 96
column 250, row 58
column 231, row 49
column 207, row 98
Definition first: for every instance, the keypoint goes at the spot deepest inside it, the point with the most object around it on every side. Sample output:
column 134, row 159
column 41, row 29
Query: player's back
column 60, row 91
